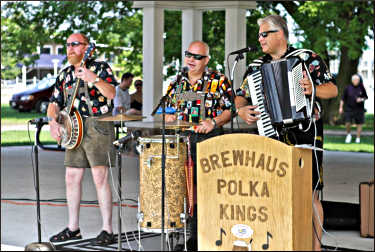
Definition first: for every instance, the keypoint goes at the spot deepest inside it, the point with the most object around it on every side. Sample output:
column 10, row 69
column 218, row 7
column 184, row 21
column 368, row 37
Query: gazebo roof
column 46, row 61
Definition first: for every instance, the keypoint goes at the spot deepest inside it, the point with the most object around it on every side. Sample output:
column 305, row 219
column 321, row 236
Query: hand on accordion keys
column 306, row 84
column 249, row 113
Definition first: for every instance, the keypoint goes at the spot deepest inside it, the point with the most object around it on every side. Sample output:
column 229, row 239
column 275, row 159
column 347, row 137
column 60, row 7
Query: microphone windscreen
column 185, row 69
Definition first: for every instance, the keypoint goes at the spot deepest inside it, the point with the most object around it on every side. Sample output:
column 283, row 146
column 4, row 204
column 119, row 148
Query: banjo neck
column 88, row 53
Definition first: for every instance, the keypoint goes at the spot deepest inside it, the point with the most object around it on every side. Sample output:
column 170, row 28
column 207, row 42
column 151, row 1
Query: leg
column 317, row 222
column 359, row 130
column 73, row 179
column 348, row 126
column 103, row 190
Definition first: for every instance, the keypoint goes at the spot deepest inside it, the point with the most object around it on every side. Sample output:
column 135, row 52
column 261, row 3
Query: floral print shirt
column 66, row 80
column 214, row 89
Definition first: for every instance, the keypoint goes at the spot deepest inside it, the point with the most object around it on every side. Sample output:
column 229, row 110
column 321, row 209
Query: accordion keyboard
column 264, row 125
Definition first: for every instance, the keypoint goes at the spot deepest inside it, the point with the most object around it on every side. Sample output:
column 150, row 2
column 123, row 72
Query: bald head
column 202, row 46
column 80, row 36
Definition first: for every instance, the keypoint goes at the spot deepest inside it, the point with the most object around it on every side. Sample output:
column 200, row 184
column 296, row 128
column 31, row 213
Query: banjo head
column 71, row 129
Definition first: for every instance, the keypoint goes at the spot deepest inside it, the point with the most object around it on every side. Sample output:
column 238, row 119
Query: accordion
column 281, row 101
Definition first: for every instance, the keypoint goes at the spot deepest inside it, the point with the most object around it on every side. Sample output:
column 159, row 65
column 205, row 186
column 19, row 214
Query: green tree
column 332, row 26
column 26, row 25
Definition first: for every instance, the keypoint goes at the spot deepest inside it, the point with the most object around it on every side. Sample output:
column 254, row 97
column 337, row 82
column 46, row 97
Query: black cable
column 316, row 234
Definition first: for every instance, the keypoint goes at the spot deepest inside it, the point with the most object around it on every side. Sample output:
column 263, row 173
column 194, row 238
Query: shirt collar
column 268, row 58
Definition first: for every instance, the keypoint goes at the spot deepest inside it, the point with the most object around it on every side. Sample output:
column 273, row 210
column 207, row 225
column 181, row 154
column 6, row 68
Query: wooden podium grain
column 253, row 190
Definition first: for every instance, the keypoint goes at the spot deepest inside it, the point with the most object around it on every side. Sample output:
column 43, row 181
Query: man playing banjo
column 95, row 84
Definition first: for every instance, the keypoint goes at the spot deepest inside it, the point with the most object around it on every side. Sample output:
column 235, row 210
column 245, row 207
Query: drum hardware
column 148, row 162
column 121, row 117
column 120, row 146
column 119, row 209
column 161, row 104
column 183, row 218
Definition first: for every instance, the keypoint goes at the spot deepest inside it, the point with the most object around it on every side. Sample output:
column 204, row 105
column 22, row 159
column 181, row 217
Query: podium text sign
column 253, row 191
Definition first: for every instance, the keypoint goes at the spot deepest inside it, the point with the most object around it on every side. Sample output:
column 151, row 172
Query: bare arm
column 245, row 111
column 52, row 112
column 326, row 90
column 208, row 125
column 341, row 109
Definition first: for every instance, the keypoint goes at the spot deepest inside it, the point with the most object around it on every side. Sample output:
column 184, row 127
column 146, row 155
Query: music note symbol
column 219, row 242
column 266, row 245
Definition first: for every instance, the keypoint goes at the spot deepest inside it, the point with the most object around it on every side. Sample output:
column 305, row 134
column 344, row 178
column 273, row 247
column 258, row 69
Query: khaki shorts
column 96, row 148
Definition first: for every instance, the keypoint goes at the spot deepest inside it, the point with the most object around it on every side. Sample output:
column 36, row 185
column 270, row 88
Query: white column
column 153, row 51
column 55, row 62
column 235, row 39
column 191, row 28
column 24, row 76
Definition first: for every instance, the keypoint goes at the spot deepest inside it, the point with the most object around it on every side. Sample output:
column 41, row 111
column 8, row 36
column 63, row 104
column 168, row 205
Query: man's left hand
column 306, row 84
column 86, row 75
column 204, row 127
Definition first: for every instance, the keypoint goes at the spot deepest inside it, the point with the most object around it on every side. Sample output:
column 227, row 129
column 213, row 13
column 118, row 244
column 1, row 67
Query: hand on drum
column 170, row 118
column 248, row 114
column 204, row 127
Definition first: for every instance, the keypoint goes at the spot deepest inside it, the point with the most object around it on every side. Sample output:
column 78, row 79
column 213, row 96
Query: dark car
column 36, row 97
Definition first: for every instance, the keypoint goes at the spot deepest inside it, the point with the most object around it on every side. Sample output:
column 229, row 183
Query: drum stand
column 162, row 105
column 118, row 166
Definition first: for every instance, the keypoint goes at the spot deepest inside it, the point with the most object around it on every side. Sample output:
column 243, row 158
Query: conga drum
column 150, row 182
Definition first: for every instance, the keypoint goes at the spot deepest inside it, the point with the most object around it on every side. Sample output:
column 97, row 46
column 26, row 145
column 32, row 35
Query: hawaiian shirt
column 212, row 94
column 318, row 70
column 67, row 79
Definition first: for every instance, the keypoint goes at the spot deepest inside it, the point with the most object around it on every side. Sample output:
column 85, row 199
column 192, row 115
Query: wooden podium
column 254, row 193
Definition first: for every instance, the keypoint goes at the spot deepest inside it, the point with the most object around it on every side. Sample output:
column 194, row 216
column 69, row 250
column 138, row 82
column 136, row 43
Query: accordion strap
column 297, row 52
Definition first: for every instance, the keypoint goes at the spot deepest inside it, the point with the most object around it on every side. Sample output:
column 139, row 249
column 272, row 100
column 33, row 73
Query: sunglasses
column 265, row 34
column 75, row 44
column 195, row 56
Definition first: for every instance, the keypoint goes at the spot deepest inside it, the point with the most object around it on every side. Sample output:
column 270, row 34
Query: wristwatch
column 213, row 121
column 97, row 79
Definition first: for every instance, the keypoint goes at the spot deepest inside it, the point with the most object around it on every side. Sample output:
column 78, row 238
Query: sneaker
column 357, row 140
column 348, row 138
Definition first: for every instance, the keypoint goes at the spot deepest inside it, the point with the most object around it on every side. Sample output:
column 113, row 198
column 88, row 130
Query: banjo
column 70, row 120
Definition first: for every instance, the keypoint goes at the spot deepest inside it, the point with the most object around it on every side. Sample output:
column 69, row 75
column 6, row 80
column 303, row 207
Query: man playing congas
column 212, row 111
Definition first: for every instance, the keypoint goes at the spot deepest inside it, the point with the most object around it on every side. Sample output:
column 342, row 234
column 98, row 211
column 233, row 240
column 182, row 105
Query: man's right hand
column 248, row 114
column 55, row 130
column 170, row 118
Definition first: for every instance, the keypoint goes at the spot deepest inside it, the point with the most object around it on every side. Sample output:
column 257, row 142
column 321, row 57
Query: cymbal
column 180, row 124
column 122, row 117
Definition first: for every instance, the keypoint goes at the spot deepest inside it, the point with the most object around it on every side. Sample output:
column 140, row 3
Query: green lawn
column 368, row 125
column 11, row 116
column 337, row 143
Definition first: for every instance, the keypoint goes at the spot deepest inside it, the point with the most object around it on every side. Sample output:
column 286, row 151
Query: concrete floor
column 342, row 174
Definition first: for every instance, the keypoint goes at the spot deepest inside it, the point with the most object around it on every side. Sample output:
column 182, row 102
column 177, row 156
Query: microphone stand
column 162, row 105
column 233, row 108
column 40, row 246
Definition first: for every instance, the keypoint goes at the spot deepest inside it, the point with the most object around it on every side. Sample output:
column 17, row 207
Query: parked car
column 35, row 97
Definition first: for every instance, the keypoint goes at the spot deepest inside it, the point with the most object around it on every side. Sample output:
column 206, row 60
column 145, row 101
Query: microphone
column 127, row 138
column 44, row 119
column 185, row 69
column 244, row 50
